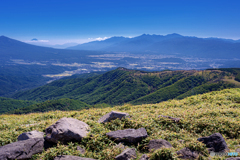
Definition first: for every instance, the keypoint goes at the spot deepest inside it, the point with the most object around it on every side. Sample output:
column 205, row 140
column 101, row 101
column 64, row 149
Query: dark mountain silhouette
column 14, row 49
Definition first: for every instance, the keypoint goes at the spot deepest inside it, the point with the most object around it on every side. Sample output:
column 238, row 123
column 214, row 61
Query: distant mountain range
column 169, row 44
column 56, row 46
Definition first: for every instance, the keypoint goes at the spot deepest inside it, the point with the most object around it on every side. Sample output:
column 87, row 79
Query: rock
column 144, row 157
column 28, row 135
column 23, row 149
column 80, row 149
column 233, row 158
column 186, row 153
column 111, row 116
column 214, row 142
column 48, row 144
column 128, row 135
column 158, row 143
column 127, row 154
column 71, row 158
column 67, row 130
column 172, row 118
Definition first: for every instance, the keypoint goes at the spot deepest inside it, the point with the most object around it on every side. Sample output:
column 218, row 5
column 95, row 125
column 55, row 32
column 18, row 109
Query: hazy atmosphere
column 73, row 21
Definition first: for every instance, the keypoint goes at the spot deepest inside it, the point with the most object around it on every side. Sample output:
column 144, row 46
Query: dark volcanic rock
column 172, row 118
column 128, row 135
column 127, row 154
column 144, row 157
column 71, row 158
column 66, row 130
column 32, row 134
column 186, row 153
column 158, row 143
column 22, row 149
column 111, row 116
column 215, row 142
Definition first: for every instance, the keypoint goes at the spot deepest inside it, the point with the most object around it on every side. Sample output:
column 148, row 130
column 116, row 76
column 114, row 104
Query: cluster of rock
column 72, row 130
column 30, row 143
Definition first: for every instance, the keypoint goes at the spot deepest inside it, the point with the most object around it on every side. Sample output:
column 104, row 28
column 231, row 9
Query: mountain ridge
column 131, row 86
column 168, row 44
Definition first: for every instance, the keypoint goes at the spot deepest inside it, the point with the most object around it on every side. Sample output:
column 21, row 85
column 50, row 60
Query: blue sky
column 62, row 21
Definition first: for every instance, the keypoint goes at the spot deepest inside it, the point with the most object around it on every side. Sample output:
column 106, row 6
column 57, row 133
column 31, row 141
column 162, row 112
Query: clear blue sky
column 71, row 20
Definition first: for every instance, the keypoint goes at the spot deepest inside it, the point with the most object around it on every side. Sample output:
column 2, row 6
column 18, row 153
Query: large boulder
column 158, row 143
column 128, row 135
column 214, row 142
column 111, row 116
column 187, row 153
column 22, row 149
column 28, row 135
column 65, row 157
column 66, row 130
column 127, row 154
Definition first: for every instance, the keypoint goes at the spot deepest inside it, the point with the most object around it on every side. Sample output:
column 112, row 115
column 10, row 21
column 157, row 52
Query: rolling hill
column 8, row 104
column 63, row 104
column 132, row 86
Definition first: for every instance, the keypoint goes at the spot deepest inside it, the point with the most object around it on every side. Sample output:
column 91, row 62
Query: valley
column 35, row 66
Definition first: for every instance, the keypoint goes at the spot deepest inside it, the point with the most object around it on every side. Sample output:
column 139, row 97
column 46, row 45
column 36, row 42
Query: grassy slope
column 202, row 115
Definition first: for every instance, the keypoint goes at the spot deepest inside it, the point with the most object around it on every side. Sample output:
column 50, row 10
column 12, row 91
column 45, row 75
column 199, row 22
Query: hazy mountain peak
column 4, row 37
column 145, row 34
column 116, row 38
column 174, row 35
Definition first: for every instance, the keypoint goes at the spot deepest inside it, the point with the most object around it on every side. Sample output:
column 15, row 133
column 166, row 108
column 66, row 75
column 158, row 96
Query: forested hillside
column 8, row 104
column 64, row 104
column 131, row 86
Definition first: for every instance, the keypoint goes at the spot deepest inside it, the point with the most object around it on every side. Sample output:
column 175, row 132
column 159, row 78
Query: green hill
column 8, row 104
column 131, row 86
column 201, row 115
column 63, row 104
